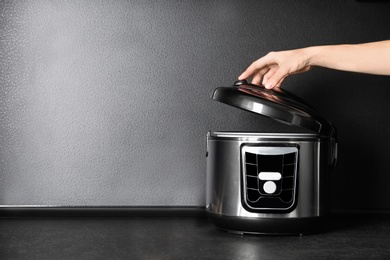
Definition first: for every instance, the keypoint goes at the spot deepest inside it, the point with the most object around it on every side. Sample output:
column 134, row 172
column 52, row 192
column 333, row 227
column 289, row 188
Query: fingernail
column 268, row 85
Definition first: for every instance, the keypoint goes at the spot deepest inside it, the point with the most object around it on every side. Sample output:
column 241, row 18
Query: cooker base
column 269, row 226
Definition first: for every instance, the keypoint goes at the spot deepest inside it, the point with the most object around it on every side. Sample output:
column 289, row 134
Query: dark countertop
column 347, row 236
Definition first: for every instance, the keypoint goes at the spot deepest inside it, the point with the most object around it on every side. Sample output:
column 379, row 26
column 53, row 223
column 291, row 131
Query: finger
column 276, row 78
column 253, row 68
column 248, row 72
column 267, row 76
column 279, row 84
column 257, row 79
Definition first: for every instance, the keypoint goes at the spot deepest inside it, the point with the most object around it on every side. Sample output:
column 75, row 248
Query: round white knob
column 269, row 187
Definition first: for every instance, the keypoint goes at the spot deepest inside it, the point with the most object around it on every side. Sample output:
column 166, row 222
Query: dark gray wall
column 108, row 102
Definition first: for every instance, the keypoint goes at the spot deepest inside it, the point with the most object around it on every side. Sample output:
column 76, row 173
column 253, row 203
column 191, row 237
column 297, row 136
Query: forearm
column 373, row 58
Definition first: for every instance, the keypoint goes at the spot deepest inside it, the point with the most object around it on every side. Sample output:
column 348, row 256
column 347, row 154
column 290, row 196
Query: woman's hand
column 271, row 70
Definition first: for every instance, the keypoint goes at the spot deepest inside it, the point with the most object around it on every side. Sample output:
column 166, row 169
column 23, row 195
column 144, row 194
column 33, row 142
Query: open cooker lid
column 275, row 103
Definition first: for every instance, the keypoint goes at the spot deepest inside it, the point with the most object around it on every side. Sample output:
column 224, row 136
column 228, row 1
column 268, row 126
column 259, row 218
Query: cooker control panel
column 269, row 178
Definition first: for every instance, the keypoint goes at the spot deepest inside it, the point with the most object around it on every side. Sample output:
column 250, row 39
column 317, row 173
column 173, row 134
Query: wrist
column 313, row 55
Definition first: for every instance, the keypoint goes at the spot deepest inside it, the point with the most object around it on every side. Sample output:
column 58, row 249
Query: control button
column 269, row 187
column 270, row 176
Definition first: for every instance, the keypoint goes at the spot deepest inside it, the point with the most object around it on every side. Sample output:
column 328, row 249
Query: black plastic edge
column 269, row 226
column 137, row 211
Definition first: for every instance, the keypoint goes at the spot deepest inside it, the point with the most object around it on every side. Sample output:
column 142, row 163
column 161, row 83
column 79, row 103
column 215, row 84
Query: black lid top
column 275, row 103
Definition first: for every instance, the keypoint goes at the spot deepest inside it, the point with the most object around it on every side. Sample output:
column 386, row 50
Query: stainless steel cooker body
column 271, row 183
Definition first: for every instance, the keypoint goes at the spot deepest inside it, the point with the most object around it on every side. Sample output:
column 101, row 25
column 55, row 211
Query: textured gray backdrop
column 108, row 102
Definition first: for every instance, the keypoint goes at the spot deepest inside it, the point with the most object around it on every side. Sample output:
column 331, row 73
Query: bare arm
column 272, row 69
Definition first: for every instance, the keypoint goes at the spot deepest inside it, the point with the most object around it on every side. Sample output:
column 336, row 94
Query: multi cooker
column 270, row 183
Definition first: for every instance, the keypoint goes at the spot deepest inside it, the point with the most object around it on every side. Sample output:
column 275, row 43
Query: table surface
column 351, row 236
